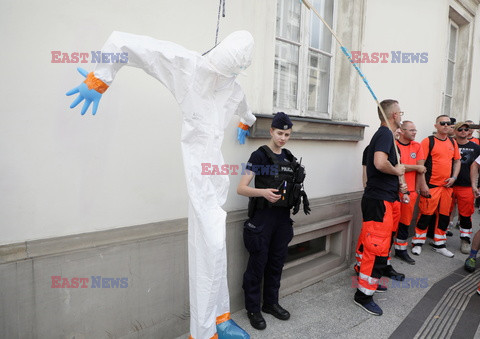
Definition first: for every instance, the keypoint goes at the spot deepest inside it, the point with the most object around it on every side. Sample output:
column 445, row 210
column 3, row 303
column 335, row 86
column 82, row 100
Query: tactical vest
column 283, row 176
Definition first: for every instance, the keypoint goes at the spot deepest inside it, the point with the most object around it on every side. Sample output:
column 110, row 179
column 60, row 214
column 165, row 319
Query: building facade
column 104, row 198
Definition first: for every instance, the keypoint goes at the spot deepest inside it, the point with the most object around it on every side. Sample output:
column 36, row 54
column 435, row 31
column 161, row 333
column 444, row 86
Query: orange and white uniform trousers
column 359, row 250
column 466, row 207
column 406, row 215
column 379, row 220
column 440, row 201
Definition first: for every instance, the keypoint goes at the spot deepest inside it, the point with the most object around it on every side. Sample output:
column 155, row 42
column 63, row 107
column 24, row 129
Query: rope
column 221, row 8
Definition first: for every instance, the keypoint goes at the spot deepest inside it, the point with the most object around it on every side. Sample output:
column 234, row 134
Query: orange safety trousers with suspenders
column 410, row 154
column 439, row 164
column 380, row 219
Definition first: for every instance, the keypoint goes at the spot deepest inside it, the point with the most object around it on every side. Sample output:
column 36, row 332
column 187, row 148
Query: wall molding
column 311, row 129
column 65, row 244
column 154, row 259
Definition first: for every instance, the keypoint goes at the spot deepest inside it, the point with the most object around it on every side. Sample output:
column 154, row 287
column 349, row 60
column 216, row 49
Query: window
column 451, row 60
column 306, row 248
column 303, row 59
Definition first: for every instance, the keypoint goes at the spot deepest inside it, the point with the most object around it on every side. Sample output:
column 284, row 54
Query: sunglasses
column 443, row 123
column 461, row 129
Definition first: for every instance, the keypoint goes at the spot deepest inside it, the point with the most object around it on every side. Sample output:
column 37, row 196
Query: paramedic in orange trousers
column 411, row 156
column 441, row 151
column 380, row 208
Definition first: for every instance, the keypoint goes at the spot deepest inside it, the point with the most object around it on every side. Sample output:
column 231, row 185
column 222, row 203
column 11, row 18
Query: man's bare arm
column 456, row 169
column 474, row 178
column 380, row 160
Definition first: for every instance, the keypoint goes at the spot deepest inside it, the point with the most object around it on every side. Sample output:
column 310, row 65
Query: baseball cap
column 460, row 124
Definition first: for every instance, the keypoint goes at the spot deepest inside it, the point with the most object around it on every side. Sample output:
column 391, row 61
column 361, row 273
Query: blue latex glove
column 89, row 95
column 241, row 135
column 230, row 330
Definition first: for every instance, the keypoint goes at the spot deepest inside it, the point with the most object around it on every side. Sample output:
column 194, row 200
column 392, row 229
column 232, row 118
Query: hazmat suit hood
column 233, row 54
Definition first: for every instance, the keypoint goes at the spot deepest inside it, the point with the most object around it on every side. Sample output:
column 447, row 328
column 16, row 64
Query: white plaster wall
column 393, row 26
column 474, row 103
column 63, row 174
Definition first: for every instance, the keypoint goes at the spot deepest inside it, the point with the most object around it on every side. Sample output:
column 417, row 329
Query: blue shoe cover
column 230, row 330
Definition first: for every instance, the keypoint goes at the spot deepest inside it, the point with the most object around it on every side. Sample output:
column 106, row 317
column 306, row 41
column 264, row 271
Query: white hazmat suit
column 206, row 90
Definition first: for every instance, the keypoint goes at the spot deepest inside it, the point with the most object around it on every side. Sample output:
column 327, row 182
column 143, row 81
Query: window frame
column 303, row 66
column 454, row 61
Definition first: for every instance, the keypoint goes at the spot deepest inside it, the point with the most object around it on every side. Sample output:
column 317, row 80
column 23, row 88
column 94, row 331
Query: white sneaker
column 417, row 250
column 444, row 252
column 465, row 247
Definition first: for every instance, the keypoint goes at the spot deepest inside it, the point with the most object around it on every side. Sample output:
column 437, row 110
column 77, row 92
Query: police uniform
column 266, row 236
column 269, row 229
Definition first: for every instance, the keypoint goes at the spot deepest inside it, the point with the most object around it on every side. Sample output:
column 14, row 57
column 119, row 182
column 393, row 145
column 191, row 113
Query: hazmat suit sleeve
column 171, row 64
column 247, row 119
column 244, row 112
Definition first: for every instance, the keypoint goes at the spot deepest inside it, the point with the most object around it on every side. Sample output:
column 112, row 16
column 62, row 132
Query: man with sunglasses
column 470, row 136
column 442, row 159
column 462, row 190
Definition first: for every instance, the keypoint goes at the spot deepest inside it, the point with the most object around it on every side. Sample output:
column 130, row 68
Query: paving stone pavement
column 326, row 309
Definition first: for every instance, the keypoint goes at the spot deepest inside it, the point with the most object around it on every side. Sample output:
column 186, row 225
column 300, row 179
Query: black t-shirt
column 364, row 156
column 468, row 153
column 380, row 185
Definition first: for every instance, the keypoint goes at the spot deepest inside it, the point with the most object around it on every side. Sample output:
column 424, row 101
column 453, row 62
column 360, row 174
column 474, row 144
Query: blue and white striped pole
column 354, row 64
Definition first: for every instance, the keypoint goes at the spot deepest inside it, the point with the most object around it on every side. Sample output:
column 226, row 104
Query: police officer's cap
column 281, row 121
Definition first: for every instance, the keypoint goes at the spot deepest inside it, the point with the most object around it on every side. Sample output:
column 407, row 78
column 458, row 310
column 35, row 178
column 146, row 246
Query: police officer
column 267, row 232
